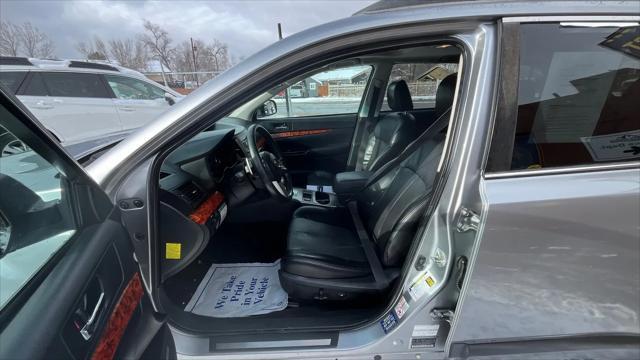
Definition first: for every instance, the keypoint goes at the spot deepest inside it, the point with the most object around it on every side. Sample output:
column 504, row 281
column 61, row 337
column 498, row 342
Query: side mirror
column 267, row 109
column 170, row 98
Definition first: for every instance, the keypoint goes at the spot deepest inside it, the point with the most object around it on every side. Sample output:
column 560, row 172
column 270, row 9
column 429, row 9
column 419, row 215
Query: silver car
column 460, row 180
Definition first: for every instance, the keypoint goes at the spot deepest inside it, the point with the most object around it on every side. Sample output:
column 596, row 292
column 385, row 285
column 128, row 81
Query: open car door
column 70, row 286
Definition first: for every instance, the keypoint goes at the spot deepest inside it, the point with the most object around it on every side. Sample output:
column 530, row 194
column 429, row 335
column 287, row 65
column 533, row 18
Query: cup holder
column 322, row 198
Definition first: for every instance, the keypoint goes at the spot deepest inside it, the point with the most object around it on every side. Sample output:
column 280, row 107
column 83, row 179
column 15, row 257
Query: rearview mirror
column 170, row 98
column 267, row 109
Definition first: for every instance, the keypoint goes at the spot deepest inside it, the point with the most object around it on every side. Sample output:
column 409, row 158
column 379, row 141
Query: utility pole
column 195, row 68
column 286, row 91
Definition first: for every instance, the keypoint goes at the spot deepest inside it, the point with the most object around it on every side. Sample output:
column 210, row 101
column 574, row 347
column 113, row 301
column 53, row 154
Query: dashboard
column 198, row 183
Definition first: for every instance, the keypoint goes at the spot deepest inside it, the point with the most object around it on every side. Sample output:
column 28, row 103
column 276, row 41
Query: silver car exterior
column 553, row 254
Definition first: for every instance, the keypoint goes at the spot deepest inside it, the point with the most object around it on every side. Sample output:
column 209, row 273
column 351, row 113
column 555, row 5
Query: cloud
column 246, row 26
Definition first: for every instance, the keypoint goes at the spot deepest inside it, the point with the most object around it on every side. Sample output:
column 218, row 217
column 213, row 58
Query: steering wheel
column 268, row 162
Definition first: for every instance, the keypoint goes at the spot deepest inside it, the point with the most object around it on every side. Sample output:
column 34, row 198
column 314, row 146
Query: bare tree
column 129, row 53
column 34, row 42
column 157, row 40
column 219, row 55
column 209, row 58
column 94, row 49
column 9, row 39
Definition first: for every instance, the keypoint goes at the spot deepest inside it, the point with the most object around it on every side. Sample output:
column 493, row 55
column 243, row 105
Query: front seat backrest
column 394, row 130
column 391, row 207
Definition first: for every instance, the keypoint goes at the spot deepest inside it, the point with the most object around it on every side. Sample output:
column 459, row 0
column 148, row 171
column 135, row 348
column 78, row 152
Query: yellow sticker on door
column 421, row 285
column 173, row 251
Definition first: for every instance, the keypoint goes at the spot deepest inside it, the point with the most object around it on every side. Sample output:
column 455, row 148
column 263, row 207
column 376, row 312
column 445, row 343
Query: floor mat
column 239, row 290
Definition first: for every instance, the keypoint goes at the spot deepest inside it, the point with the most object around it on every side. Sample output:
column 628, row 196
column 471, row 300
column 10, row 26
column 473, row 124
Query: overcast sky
column 246, row 26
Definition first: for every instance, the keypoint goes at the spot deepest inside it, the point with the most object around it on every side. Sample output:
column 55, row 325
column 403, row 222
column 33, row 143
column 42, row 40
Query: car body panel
column 74, row 119
column 134, row 113
column 555, row 252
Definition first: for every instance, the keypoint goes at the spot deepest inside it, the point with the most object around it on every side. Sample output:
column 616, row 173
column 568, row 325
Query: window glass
column 35, row 86
column 128, row 88
column 578, row 96
column 422, row 80
column 330, row 92
column 67, row 84
column 35, row 218
column 12, row 79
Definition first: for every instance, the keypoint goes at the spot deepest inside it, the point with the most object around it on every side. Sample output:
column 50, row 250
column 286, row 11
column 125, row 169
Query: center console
column 317, row 198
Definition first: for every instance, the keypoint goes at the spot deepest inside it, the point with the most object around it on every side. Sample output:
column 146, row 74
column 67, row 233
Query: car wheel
column 10, row 145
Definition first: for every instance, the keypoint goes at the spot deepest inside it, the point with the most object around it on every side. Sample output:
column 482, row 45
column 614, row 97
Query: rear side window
column 578, row 96
column 67, row 84
column 34, row 86
column 12, row 79
column 133, row 89
column 422, row 80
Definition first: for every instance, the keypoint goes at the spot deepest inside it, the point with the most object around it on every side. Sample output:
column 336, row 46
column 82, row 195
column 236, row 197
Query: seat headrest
column 444, row 94
column 399, row 97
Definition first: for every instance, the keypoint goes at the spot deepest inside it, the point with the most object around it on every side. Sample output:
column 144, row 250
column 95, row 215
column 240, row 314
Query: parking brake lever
column 89, row 327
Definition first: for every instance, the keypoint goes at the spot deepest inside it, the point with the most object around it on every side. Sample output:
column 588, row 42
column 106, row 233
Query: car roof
column 537, row 7
column 12, row 63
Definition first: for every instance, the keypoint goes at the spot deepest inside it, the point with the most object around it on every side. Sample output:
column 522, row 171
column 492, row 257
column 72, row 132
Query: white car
column 81, row 100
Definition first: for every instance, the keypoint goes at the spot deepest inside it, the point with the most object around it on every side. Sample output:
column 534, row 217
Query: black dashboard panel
column 198, row 183
column 200, row 146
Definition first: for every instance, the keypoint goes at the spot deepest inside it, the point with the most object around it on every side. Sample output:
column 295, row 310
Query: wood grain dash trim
column 297, row 133
column 119, row 319
column 207, row 208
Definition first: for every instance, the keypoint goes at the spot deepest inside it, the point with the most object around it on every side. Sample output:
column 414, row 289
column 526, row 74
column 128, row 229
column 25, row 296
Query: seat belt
column 382, row 282
column 435, row 128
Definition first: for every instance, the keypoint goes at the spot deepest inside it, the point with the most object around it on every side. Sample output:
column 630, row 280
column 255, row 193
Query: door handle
column 41, row 104
column 281, row 127
column 127, row 108
column 89, row 327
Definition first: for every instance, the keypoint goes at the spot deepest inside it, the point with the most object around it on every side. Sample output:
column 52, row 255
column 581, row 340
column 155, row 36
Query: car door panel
column 136, row 113
column 83, row 300
column 574, row 271
column 313, row 143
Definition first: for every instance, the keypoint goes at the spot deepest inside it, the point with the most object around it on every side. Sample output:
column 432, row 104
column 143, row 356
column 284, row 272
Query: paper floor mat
column 239, row 290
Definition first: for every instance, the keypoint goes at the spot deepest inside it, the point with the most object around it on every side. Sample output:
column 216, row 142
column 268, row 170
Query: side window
column 128, row 88
column 68, row 84
column 578, row 96
column 422, row 80
column 330, row 92
column 35, row 215
column 34, row 86
column 12, row 79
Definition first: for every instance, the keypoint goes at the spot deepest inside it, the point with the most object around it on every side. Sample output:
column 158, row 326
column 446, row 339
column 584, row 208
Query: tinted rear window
column 68, row 84
column 12, row 79
column 578, row 96
column 35, row 86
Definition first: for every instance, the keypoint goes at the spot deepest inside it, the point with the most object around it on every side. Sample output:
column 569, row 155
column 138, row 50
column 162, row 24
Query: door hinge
column 442, row 314
column 467, row 220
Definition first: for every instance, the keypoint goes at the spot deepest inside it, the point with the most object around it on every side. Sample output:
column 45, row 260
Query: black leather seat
column 325, row 258
column 389, row 136
column 394, row 130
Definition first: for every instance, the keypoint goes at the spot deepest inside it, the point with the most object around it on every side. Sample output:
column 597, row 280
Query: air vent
column 12, row 60
column 90, row 65
column 190, row 192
